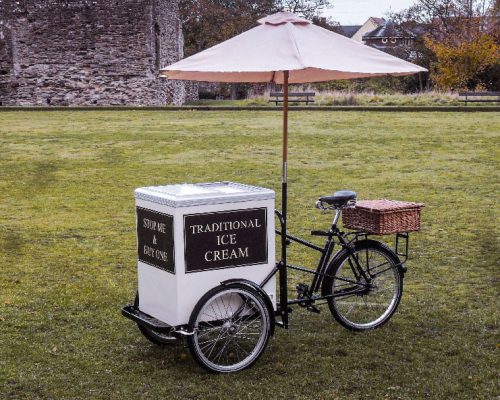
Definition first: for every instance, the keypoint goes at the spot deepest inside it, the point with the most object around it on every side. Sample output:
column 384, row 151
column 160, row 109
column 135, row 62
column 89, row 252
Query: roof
column 378, row 21
column 388, row 30
column 349, row 30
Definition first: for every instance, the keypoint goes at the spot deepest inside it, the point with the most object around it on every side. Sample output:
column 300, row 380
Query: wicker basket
column 383, row 217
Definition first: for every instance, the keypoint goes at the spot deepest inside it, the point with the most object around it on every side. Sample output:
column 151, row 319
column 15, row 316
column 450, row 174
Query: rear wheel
column 159, row 338
column 231, row 325
column 365, row 300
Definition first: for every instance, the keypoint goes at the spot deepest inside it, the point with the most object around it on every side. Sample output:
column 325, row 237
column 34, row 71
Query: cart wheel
column 369, row 306
column 231, row 325
column 154, row 336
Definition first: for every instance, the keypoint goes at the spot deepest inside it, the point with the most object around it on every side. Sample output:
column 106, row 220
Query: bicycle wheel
column 154, row 336
column 363, row 303
column 231, row 327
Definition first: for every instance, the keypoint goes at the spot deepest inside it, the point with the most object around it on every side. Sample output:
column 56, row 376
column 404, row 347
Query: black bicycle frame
column 326, row 252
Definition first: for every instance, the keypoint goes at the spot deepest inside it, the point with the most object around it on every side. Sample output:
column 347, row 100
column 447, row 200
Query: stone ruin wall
column 84, row 52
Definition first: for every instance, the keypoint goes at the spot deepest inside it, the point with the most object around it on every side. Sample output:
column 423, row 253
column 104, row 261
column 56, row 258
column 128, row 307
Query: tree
column 463, row 65
column 208, row 22
column 458, row 41
column 306, row 8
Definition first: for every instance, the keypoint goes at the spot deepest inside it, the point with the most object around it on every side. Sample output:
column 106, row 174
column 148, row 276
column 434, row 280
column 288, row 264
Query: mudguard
column 335, row 260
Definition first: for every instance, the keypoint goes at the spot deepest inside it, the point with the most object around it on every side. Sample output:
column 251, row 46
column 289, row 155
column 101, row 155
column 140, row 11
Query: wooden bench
column 293, row 97
column 471, row 97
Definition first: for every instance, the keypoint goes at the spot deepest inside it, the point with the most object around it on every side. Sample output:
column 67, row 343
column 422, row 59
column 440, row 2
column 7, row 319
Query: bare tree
column 306, row 8
column 448, row 18
column 458, row 41
column 208, row 22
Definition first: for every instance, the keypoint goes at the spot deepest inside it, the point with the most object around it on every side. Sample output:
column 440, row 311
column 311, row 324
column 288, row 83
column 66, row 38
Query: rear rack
column 402, row 240
column 401, row 244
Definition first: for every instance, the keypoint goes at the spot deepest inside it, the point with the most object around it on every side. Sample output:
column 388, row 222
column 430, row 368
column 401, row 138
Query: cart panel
column 239, row 243
column 225, row 239
column 155, row 239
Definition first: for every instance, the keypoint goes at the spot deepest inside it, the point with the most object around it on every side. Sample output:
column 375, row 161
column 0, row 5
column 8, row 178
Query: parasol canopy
column 285, row 42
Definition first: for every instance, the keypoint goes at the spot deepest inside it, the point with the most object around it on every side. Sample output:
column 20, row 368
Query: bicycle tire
column 232, row 326
column 385, row 275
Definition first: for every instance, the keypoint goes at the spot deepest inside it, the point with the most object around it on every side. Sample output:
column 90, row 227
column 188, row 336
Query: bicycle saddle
column 340, row 198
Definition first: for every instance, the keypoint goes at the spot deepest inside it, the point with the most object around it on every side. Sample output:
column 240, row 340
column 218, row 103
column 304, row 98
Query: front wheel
column 231, row 325
column 366, row 285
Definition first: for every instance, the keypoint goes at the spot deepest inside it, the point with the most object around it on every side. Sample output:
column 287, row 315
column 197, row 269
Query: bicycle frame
column 308, row 298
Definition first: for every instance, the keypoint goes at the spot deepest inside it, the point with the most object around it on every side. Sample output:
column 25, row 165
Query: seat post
column 338, row 213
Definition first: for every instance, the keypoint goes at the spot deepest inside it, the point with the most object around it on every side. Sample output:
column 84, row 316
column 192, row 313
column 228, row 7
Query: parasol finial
column 283, row 18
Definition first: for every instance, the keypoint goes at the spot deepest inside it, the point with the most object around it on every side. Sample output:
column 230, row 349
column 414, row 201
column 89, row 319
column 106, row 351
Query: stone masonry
column 89, row 52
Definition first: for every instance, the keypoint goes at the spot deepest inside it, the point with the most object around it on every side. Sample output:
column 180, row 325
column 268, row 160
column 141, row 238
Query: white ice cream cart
column 198, row 240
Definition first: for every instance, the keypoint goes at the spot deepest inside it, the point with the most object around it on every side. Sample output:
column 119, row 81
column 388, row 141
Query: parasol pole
column 284, row 200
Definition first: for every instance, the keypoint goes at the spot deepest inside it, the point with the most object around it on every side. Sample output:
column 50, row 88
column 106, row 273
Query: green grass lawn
column 68, row 257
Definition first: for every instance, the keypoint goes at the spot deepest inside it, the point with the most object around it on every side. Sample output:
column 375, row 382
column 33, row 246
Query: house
column 370, row 24
column 356, row 32
column 389, row 36
column 377, row 32
column 348, row 30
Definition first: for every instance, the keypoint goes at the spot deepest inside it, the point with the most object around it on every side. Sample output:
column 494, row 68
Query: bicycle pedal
column 302, row 289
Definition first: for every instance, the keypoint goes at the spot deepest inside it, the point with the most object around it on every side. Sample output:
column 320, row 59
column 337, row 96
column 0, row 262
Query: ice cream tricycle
column 206, row 252
column 207, row 269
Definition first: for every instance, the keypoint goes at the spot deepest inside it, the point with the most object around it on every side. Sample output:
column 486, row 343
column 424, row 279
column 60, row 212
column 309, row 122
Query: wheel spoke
column 381, row 272
column 350, row 309
column 216, row 317
column 222, row 305
column 245, row 352
column 241, row 308
column 250, row 323
column 215, row 343
column 241, row 311
column 208, row 331
column 221, row 351
column 207, row 343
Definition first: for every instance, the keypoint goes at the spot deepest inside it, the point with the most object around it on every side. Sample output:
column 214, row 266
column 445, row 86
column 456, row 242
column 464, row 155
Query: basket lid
column 385, row 205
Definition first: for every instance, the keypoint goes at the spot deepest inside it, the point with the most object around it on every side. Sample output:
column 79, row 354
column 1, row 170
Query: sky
column 356, row 12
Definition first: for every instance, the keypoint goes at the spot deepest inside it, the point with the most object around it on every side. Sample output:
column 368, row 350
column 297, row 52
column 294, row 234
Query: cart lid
column 194, row 194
